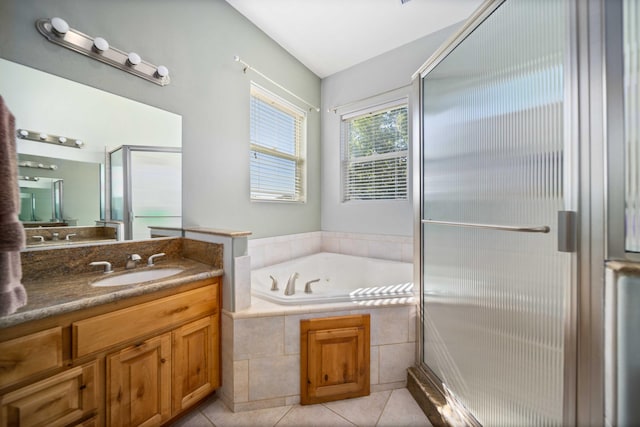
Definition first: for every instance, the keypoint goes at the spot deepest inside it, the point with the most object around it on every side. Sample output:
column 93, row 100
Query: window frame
column 344, row 150
column 300, row 149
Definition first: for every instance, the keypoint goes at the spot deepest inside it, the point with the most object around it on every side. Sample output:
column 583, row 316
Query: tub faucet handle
column 291, row 284
column 274, row 284
column 307, row 286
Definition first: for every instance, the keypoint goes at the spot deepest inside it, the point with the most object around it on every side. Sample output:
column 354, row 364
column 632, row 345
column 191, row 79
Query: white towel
column 12, row 293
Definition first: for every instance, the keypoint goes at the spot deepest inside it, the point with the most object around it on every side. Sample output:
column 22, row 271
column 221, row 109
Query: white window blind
column 375, row 149
column 276, row 164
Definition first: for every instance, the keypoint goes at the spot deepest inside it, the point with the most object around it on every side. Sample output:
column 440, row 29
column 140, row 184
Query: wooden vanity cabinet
column 56, row 401
column 139, row 384
column 196, row 357
column 140, row 365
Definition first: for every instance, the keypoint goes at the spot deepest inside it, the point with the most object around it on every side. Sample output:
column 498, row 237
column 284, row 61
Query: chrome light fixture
column 57, row 31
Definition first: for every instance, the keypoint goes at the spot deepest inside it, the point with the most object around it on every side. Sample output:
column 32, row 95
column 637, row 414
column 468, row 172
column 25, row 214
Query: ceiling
column 331, row 35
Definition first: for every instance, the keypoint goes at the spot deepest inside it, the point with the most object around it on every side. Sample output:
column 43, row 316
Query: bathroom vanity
column 136, row 354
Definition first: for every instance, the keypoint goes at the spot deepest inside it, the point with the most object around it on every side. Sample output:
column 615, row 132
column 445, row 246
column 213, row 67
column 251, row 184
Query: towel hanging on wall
column 12, row 293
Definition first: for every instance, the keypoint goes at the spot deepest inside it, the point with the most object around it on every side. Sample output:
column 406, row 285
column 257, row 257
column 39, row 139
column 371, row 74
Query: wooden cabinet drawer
column 101, row 332
column 30, row 354
column 56, row 401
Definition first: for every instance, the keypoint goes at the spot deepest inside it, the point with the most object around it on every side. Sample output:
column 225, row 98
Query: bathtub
column 342, row 278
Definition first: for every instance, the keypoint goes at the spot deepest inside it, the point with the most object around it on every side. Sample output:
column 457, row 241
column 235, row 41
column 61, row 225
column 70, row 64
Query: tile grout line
column 384, row 407
column 283, row 415
column 344, row 418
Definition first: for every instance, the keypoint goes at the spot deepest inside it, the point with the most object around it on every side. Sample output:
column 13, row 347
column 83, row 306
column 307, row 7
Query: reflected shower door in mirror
column 76, row 203
column 49, row 104
column 145, row 188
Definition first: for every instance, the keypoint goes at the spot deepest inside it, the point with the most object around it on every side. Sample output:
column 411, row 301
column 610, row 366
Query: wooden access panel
column 139, row 384
column 334, row 358
column 55, row 401
column 195, row 362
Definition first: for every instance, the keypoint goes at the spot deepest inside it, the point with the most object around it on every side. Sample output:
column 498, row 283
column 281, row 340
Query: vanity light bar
column 28, row 178
column 57, row 31
column 51, row 139
column 29, row 164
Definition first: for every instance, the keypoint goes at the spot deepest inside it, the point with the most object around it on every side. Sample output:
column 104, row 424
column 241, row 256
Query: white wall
column 197, row 40
column 360, row 86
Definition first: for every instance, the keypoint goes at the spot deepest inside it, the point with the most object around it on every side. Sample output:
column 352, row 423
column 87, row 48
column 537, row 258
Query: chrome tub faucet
column 291, row 284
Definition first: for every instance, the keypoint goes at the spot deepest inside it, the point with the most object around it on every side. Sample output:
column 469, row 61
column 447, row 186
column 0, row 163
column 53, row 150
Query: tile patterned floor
column 392, row 408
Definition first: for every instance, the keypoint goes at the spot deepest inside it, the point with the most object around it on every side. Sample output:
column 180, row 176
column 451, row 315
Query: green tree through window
column 375, row 150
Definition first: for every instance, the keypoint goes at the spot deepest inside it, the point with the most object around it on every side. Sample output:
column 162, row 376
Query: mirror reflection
column 76, row 193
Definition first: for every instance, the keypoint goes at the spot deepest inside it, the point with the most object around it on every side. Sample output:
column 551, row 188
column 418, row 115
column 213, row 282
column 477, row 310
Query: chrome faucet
column 38, row 238
column 106, row 264
column 132, row 261
column 69, row 236
column 153, row 257
column 291, row 284
column 55, row 236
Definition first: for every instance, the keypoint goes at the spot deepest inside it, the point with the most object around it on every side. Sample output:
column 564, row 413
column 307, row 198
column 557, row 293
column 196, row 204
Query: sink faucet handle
column 38, row 238
column 153, row 257
column 69, row 236
column 106, row 264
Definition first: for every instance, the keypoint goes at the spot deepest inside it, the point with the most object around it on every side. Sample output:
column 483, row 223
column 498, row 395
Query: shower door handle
column 517, row 229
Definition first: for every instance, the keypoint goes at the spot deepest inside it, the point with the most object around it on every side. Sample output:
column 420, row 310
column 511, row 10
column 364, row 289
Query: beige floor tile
column 222, row 416
column 402, row 411
column 363, row 411
column 193, row 419
column 312, row 416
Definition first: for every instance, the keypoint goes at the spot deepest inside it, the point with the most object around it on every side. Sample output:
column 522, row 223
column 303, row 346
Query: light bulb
column 62, row 140
column 24, row 133
column 100, row 45
column 79, row 143
column 162, row 71
column 59, row 26
column 43, row 136
column 133, row 59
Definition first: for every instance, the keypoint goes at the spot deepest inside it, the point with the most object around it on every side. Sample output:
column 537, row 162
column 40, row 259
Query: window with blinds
column 277, row 163
column 375, row 146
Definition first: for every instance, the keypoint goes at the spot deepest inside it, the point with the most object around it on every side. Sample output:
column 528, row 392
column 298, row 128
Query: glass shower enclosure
column 145, row 188
column 495, row 180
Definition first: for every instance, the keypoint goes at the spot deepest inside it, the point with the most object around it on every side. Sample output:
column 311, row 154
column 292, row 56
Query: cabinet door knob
column 83, row 386
column 163, row 360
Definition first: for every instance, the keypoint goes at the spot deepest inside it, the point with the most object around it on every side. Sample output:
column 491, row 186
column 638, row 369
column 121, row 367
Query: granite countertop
column 56, row 295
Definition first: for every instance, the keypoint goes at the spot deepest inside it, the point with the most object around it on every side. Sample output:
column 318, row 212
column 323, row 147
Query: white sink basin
column 137, row 277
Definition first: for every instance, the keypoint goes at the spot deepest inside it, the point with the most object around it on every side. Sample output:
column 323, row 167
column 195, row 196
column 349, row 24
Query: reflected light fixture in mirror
column 50, row 139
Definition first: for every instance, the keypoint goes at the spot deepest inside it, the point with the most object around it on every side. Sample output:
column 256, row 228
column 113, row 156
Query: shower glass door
column 495, row 287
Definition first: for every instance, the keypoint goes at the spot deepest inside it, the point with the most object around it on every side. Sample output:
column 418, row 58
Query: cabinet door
column 55, row 401
column 139, row 384
column 334, row 358
column 195, row 362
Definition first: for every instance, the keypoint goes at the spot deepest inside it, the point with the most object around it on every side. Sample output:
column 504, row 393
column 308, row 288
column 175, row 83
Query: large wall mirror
column 67, row 185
